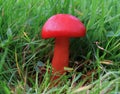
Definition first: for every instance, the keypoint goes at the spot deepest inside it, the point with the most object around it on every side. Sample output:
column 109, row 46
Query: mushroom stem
column 61, row 56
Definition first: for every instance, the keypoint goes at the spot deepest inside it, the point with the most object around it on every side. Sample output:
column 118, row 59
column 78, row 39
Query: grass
column 25, row 57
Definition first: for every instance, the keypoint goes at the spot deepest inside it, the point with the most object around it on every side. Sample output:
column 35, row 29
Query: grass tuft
column 25, row 57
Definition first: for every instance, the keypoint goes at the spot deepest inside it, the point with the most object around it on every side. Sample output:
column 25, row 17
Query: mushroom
column 62, row 27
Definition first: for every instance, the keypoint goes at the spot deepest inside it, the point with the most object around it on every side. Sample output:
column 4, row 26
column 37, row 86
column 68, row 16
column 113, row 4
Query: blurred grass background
column 25, row 57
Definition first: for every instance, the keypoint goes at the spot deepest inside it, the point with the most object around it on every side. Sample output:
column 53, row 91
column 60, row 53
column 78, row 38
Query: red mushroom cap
column 63, row 25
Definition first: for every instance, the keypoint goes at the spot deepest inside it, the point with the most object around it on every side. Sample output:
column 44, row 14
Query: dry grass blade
column 83, row 88
column 78, row 12
column 107, row 62
column 17, row 65
column 68, row 69
column 101, row 48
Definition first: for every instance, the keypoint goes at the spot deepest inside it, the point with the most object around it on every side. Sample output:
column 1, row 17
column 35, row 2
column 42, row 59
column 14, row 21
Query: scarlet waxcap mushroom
column 62, row 27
